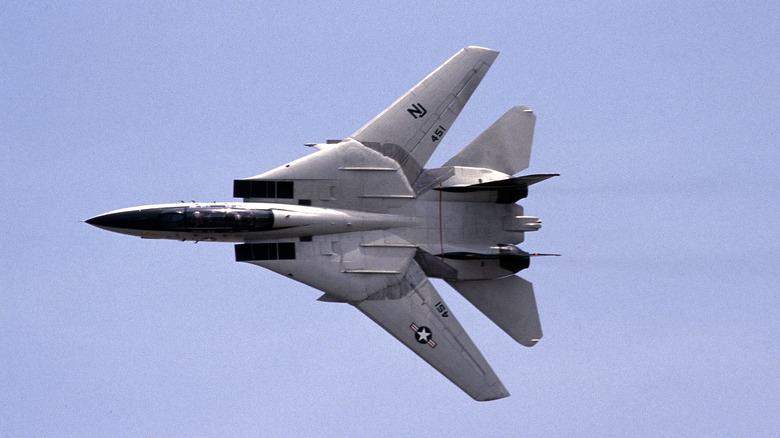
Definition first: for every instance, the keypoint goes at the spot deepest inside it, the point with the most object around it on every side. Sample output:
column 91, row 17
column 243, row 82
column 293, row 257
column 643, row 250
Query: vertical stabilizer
column 505, row 146
column 509, row 302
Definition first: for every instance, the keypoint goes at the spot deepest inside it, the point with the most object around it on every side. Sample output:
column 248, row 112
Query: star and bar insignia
column 423, row 335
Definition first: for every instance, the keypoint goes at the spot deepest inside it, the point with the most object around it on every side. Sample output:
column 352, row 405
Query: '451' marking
column 438, row 133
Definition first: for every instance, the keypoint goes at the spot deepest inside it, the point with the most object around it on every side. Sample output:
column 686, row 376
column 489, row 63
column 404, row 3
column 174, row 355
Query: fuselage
column 257, row 222
column 240, row 221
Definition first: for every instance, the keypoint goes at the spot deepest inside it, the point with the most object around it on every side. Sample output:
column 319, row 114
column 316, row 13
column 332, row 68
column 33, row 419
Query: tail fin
column 509, row 302
column 505, row 146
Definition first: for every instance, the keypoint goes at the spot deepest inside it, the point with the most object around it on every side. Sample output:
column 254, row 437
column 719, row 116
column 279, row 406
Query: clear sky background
column 662, row 317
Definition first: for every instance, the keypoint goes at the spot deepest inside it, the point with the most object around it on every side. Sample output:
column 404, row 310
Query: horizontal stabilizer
column 509, row 190
column 509, row 302
column 513, row 182
column 505, row 146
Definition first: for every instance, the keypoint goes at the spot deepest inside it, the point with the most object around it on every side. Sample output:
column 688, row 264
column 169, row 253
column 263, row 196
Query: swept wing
column 377, row 273
column 409, row 130
column 421, row 320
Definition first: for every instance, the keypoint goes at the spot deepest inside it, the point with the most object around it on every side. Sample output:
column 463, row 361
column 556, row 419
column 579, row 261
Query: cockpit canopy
column 217, row 219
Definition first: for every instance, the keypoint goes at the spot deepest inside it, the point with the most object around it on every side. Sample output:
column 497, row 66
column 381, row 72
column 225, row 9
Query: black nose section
column 97, row 221
column 130, row 220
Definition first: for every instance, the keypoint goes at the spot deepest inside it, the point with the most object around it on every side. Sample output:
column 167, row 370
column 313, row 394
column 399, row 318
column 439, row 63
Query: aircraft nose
column 124, row 219
column 108, row 220
column 95, row 221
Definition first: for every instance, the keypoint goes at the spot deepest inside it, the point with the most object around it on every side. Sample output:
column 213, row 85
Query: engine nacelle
column 513, row 259
column 500, row 261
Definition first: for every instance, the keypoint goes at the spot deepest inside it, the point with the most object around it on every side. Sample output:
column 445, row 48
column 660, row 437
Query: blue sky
column 660, row 319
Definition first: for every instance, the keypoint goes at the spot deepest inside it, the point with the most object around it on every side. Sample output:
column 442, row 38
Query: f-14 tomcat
column 363, row 221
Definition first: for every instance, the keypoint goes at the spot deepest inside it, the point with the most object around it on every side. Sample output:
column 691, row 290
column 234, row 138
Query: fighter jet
column 363, row 221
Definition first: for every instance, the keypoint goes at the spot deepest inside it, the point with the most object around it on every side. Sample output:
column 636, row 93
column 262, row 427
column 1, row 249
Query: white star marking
column 423, row 334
